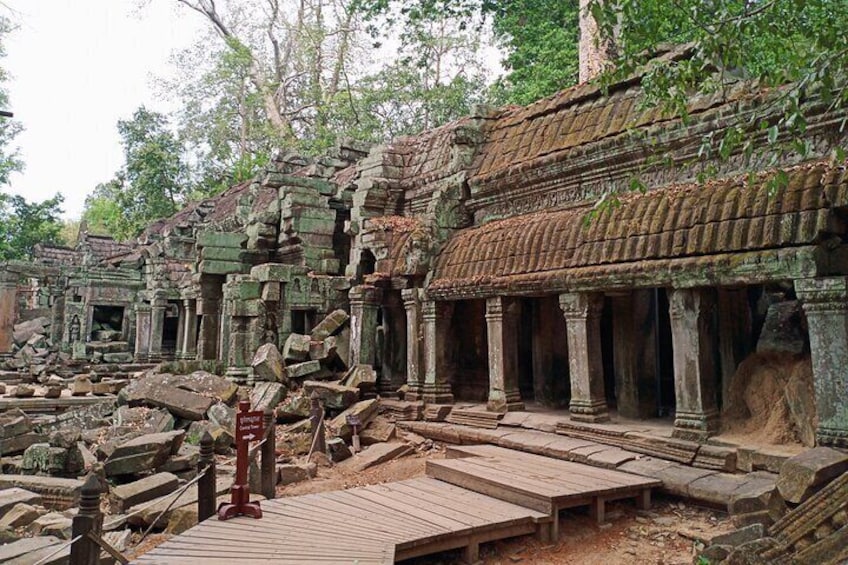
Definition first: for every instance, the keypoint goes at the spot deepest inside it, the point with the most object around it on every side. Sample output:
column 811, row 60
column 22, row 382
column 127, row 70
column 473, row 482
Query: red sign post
column 249, row 427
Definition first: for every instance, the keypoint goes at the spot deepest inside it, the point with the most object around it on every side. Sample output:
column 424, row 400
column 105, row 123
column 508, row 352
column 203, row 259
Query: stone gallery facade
column 474, row 271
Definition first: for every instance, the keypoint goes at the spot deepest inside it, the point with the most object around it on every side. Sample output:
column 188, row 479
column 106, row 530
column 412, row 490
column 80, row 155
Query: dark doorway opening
column 666, row 403
column 170, row 329
column 107, row 323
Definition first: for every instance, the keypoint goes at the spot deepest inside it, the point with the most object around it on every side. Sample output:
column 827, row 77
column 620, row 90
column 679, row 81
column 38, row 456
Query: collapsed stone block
column 266, row 396
column 223, row 439
column 338, row 450
column 268, row 364
column 291, row 473
column 365, row 410
column 361, row 376
column 21, row 333
column 330, row 325
column 21, row 514
column 294, row 408
column 300, row 370
column 802, row 475
column 23, row 391
column 179, row 402
column 10, row 497
column 332, row 394
column 296, row 348
column 44, row 458
column 143, row 453
column 81, row 386
column 222, row 416
column 142, row 490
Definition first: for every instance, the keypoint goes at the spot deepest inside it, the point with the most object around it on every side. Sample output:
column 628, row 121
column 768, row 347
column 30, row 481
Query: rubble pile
column 142, row 435
column 32, row 349
column 802, row 518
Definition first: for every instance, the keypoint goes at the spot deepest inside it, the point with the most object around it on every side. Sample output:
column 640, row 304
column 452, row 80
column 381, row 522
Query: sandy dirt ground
column 667, row 534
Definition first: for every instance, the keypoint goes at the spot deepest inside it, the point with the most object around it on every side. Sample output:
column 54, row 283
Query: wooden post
column 316, row 417
column 269, row 457
column 206, row 484
column 89, row 520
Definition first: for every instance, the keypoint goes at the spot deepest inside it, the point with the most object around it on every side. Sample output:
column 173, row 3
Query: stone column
column 364, row 306
column 503, row 355
column 414, row 357
column 695, row 377
column 189, row 347
column 825, row 303
column 634, row 354
column 157, row 327
column 583, row 323
column 181, row 327
column 207, row 347
column 142, row 331
column 8, row 297
column 437, row 387
column 57, row 328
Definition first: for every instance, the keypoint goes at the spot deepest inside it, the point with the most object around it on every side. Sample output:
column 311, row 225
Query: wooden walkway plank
column 487, row 494
column 559, row 477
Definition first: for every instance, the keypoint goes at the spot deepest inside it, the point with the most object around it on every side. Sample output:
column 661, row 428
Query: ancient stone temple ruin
column 474, row 272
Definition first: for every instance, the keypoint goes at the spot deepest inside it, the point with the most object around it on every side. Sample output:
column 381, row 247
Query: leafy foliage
column 539, row 38
column 796, row 46
column 9, row 159
column 24, row 224
column 151, row 185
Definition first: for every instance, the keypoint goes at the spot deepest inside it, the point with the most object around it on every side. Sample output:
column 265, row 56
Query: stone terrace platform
column 720, row 476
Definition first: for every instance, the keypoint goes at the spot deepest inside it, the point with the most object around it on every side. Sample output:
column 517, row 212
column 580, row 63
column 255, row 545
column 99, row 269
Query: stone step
column 705, row 486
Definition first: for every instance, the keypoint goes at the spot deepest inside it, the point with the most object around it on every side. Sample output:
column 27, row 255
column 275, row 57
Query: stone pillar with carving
column 585, row 363
column 501, row 328
column 142, row 332
column 157, row 326
column 695, row 375
column 825, row 303
column 414, row 353
column 8, row 299
column 364, row 306
column 189, row 345
column 437, row 378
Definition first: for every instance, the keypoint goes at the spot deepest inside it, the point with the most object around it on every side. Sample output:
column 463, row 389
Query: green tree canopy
column 151, row 185
column 24, row 224
column 798, row 46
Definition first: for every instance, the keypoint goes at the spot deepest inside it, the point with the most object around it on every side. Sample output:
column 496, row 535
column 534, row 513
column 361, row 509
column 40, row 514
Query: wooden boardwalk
column 377, row 524
column 537, row 482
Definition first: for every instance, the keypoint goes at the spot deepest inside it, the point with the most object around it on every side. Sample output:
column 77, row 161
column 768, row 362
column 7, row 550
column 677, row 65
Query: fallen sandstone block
column 143, row 453
column 268, row 364
column 10, row 497
column 802, row 475
column 332, row 394
column 142, row 490
column 296, row 348
column 179, row 402
column 330, row 325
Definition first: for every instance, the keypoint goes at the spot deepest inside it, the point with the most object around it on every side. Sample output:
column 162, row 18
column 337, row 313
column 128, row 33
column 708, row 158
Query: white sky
column 77, row 67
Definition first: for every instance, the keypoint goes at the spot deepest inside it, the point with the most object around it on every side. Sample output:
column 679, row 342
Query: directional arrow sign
column 249, row 426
